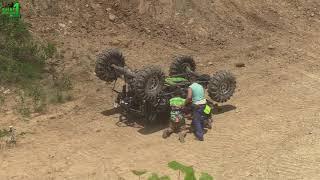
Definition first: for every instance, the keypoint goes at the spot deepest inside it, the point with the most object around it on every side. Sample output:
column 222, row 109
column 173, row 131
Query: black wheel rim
column 186, row 67
column 224, row 88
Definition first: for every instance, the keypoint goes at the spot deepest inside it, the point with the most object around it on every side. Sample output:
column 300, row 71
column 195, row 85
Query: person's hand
column 177, row 119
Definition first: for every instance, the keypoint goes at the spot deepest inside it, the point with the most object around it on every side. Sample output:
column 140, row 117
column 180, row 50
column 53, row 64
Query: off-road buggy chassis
column 146, row 92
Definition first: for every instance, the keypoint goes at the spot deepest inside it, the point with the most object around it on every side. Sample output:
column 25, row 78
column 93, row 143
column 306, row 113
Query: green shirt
column 197, row 92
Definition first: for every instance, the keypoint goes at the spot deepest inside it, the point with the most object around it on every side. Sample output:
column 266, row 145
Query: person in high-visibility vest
column 200, row 110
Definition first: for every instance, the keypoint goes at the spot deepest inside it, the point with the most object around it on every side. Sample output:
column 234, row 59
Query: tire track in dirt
column 291, row 165
column 284, row 163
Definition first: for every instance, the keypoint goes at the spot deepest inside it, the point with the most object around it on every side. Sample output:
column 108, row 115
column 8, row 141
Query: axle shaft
column 125, row 70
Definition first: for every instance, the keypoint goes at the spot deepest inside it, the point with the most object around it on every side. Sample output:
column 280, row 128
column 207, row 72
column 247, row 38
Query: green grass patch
column 22, row 105
column 23, row 66
column 60, row 90
column 3, row 133
column 38, row 98
column 2, row 100
column 22, row 58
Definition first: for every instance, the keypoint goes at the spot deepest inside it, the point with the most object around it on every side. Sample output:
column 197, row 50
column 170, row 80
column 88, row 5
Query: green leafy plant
column 155, row 176
column 139, row 173
column 205, row 176
column 188, row 171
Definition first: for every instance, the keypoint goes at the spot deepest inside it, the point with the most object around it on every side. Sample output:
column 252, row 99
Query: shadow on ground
column 137, row 121
column 160, row 123
column 112, row 111
column 223, row 109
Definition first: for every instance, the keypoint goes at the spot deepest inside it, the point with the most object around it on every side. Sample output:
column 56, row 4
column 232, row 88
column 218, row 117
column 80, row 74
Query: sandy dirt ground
column 270, row 129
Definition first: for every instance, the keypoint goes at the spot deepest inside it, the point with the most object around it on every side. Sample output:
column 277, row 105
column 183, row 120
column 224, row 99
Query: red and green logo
column 12, row 9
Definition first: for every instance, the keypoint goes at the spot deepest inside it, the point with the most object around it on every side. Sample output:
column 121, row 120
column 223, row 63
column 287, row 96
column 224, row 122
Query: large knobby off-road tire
column 105, row 59
column 149, row 82
column 182, row 65
column 221, row 86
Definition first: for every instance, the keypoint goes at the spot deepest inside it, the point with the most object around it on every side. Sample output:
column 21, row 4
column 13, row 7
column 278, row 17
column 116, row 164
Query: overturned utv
column 146, row 92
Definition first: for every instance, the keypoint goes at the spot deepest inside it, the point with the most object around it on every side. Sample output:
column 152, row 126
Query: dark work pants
column 198, row 121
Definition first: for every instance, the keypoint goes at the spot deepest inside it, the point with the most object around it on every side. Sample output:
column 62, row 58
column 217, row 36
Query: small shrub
column 63, row 82
column 50, row 50
column 4, row 133
column 2, row 100
column 61, row 89
column 22, row 106
column 58, row 96
column 38, row 96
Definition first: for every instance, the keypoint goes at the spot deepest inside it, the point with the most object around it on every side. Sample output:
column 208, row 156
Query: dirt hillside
column 271, row 131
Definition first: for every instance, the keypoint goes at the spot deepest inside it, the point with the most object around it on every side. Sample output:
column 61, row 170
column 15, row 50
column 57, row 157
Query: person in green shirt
column 177, row 120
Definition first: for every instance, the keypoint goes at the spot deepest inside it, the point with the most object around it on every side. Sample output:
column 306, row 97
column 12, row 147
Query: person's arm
column 189, row 96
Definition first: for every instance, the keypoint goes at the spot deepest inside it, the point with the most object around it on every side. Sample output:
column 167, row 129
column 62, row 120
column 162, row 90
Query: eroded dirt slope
column 272, row 133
